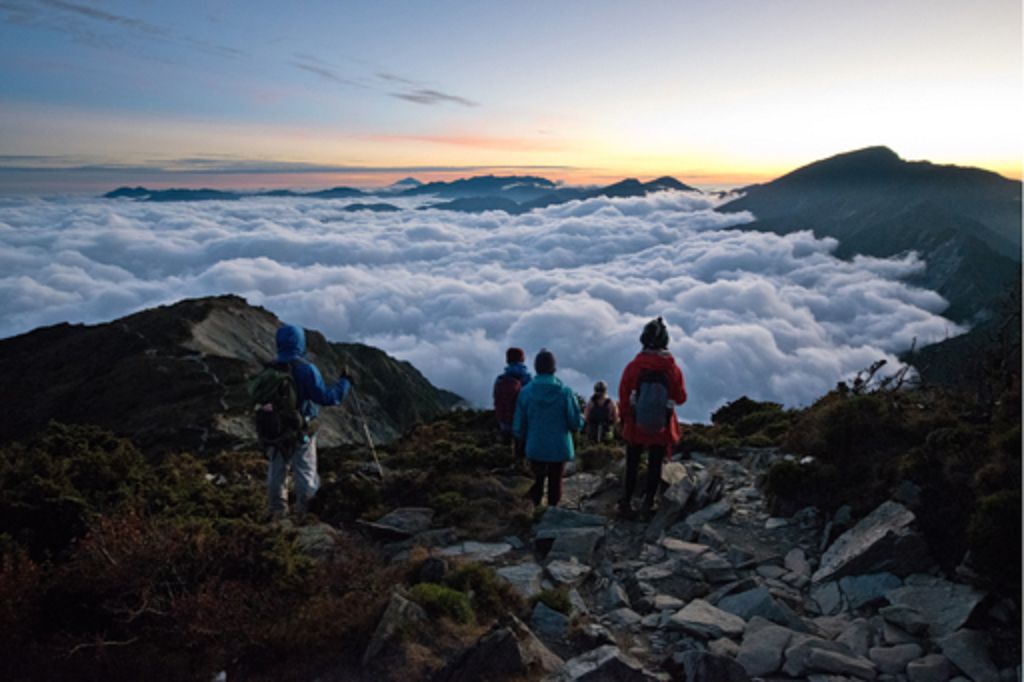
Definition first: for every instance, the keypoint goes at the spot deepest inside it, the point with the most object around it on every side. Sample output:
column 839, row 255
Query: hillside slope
column 174, row 378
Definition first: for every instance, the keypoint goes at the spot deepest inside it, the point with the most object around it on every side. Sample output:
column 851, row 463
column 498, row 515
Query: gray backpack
column 651, row 409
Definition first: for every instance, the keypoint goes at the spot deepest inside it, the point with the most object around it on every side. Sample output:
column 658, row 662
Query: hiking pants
column 552, row 472
column 655, row 458
column 303, row 465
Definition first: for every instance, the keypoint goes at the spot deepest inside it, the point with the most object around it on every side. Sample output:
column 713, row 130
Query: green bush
column 491, row 596
column 556, row 598
column 596, row 457
column 443, row 601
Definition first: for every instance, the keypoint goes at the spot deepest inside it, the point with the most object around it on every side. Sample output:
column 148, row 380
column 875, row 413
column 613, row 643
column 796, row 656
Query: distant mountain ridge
column 965, row 222
column 174, row 378
column 514, row 194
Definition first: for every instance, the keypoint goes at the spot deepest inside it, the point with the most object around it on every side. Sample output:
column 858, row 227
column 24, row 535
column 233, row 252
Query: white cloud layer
column 749, row 313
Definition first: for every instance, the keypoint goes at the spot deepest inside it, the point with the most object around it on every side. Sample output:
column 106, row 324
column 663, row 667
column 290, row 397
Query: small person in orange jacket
column 651, row 386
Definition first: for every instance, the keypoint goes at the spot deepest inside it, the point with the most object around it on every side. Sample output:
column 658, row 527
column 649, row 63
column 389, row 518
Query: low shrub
column 490, row 595
column 556, row 598
column 993, row 533
column 442, row 601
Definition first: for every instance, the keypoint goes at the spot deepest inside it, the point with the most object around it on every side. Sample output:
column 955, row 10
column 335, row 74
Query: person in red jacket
column 652, row 385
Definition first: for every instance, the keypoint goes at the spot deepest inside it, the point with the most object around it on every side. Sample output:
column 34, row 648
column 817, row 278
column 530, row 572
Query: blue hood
column 291, row 343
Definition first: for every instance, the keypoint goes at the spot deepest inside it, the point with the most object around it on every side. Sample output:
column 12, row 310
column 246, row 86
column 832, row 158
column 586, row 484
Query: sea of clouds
column 749, row 313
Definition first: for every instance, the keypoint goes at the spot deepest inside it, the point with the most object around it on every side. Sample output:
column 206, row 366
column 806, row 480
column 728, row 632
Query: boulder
column 969, row 651
column 804, row 656
column 843, row 664
column 883, row 541
column 701, row 666
column 525, row 579
column 548, row 623
column 908, row 619
column 666, row 602
column 408, row 520
column 703, row 620
column 867, row 590
column 578, row 543
column 723, row 646
column 400, row 614
column 944, row 605
column 319, row 541
column 685, row 551
column 692, row 492
column 568, row 572
column 796, row 562
column 624, row 617
column 760, row 602
column 828, row 597
column 858, row 636
column 511, row 651
column 605, row 664
column 763, row 647
column 613, row 597
column 894, row 659
column 931, row 668
column 715, row 568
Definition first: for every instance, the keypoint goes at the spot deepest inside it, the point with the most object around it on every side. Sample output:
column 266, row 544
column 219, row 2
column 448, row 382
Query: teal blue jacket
column 547, row 412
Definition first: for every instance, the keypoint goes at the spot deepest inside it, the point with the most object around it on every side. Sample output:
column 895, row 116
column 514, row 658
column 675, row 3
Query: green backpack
column 275, row 394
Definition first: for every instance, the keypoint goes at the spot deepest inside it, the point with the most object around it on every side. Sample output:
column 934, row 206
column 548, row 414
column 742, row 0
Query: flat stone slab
column 703, row 620
column 524, row 578
column 946, row 606
column 763, row 648
column 862, row 590
column 578, row 543
column 883, row 541
column 557, row 519
column 605, row 663
column 485, row 552
column 568, row 572
column 687, row 551
column 894, row 659
column 969, row 651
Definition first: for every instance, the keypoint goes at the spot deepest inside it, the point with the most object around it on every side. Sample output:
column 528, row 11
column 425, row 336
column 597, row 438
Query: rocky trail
column 714, row 588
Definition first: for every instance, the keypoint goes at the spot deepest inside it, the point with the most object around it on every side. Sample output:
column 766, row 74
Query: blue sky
column 711, row 92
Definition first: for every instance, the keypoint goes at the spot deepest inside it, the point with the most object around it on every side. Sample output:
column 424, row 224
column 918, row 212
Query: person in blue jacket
column 312, row 393
column 547, row 413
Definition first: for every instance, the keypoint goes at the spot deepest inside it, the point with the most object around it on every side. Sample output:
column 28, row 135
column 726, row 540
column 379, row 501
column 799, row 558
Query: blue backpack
column 651, row 410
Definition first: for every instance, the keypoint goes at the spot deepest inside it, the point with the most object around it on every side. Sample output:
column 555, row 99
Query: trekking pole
column 366, row 432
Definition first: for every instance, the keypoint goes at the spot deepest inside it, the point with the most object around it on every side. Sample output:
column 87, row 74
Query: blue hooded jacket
column 291, row 345
column 547, row 413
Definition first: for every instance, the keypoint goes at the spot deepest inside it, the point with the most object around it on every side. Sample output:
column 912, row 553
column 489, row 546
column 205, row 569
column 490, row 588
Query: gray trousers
column 303, row 465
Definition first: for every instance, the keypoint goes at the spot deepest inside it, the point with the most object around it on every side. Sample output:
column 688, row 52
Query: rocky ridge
column 714, row 588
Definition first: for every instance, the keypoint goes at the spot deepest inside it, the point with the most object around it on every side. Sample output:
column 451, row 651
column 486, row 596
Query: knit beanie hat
column 655, row 336
column 513, row 355
column 545, row 362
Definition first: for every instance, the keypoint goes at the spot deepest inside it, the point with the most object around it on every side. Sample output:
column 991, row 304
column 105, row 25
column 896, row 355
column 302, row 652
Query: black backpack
column 651, row 411
column 279, row 422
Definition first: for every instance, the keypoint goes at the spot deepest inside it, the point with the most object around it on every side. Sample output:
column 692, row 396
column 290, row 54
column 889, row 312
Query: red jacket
column 648, row 360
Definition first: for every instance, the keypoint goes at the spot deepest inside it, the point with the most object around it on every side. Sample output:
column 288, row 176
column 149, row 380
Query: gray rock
column 712, row 512
column 832, row 626
column 471, row 550
column 318, row 541
column 687, row 551
column 946, row 606
column 580, row 543
column 605, row 664
column 867, row 590
column 624, row 617
column 666, row 602
column 931, row 668
column 715, row 568
column 595, row 635
column 701, row 666
column 763, row 647
column 797, row 660
column 859, row 637
column 843, row 664
column 614, row 596
column 560, row 518
column 660, row 571
column 400, row 614
column 512, row 651
column 894, row 659
column 884, row 540
column 579, row 606
column 796, row 561
column 770, row 571
column 828, row 597
column 570, row 572
column 695, row 490
column 906, row 618
column 760, row 602
column 892, row 634
column 408, row 520
column 775, row 523
column 969, row 651
column 703, row 620
column 524, row 578
column 723, row 646
column 548, row 623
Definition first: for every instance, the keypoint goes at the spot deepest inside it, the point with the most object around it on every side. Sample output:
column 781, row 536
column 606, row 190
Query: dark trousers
column 655, row 457
column 552, row 472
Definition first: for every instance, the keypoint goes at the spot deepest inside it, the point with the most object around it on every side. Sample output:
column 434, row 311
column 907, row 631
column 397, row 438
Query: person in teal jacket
column 547, row 412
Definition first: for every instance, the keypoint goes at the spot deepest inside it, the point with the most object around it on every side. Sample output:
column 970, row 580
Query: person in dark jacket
column 547, row 414
column 311, row 393
column 506, row 390
column 653, row 372
column 601, row 414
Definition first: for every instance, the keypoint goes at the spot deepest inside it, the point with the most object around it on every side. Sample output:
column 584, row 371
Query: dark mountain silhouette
column 174, row 378
column 965, row 222
column 403, row 184
column 479, row 205
column 337, row 193
column 376, row 208
column 515, row 187
column 143, row 194
column 128, row 192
